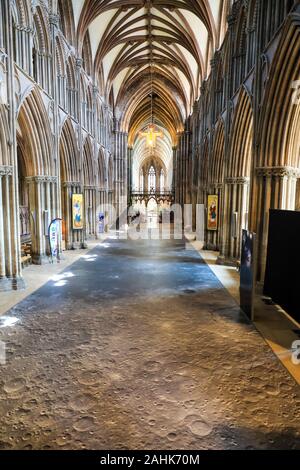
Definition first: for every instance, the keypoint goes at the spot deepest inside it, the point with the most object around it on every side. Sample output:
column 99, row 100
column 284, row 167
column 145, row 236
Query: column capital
column 6, row 170
column 237, row 180
column 71, row 184
column 79, row 62
column 231, row 19
column 41, row 179
column 278, row 171
column 54, row 19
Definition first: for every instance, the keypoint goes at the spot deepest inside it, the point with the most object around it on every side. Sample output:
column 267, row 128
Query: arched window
column 151, row 179
column 162, row 181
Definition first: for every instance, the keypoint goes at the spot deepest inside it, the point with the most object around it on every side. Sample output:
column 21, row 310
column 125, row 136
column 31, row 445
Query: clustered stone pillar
column 275, row 188
column 214, row 237
column 235, row 205
column 182, row 169
column 129, row 171
column 90, row 195
column 23, row 49
column 10, row 265
column 5, row 232
column 120, row 173
column 72, row 237
column 43, row 208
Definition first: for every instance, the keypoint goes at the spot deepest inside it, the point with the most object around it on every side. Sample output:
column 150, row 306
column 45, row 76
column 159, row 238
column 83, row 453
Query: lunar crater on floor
column 141, row 354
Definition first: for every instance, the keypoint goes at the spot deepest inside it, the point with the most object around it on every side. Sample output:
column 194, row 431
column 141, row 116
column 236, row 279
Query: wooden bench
column 26, row 260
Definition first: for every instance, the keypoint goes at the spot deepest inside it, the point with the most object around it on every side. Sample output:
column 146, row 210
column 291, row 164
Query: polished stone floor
column 137, row 345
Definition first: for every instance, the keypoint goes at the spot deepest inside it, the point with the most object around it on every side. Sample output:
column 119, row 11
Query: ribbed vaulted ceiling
column 131, row 40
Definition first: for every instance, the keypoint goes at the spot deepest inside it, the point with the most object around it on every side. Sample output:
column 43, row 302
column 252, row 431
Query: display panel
column 212, row 212
column 77, row 206
column 283, row 258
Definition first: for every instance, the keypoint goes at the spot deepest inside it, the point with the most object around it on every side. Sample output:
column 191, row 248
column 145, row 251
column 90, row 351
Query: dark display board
column 282, row 279
column 248, row 273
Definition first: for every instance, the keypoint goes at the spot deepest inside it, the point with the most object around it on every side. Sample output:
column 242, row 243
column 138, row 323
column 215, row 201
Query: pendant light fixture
column 151, row 132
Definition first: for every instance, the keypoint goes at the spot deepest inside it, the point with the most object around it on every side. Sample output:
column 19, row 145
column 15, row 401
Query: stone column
column 55, row 186
column 129, row 172
column 173, row 183
column 179, row 169
column 236, row 199
column 7, row 242
column 42, row 197
column 187, row 167
column 73, row 238
column 120, row 172
column 214, row 237
column 12, row 228
column 80, row 235
column 90, row 196
column 273, row 188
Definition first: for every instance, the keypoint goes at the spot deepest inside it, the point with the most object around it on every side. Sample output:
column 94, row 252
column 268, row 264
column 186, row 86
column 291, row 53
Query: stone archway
column 69, row 181
column 90, row 190
column 216, row 183
column 277, row 159
column 237, row 179
column 36, row 165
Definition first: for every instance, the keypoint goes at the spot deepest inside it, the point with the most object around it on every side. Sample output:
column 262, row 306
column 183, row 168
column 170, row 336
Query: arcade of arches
column 83, row 82
column 78, row 80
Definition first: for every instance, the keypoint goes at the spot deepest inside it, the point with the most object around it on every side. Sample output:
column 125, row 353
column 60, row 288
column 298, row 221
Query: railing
column 158, row 196
column 153, row 192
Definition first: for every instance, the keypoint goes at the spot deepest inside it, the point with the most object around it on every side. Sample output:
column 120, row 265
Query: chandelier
column 151, row 132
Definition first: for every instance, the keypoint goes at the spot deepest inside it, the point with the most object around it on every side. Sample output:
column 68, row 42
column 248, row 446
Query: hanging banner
column 248, row 273
column 212, row 212
column 54, row 237
column 77, row 208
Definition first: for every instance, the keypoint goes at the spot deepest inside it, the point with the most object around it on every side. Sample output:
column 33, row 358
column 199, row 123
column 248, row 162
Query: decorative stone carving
column 237, row 180
column 79, row 62
column 41, row 179
column 71, row 184
column 6, row 170
column 54, row 19
column 278, row 171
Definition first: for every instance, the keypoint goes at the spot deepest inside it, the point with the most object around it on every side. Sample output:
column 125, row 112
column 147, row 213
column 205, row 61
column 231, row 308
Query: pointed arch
column 87, row 55
column 280, row 142
column 34, row 131
column 88, row 167
column 218, row 156
column 67, row 24
column 22, row 11
column 203, row 172
column 4, row 135
column 68, row 153
column 239, row 164
column 101, row 169
column 110, row 173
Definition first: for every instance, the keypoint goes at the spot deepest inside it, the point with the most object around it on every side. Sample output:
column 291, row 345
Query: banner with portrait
column 212, row 212
column 77, row 210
